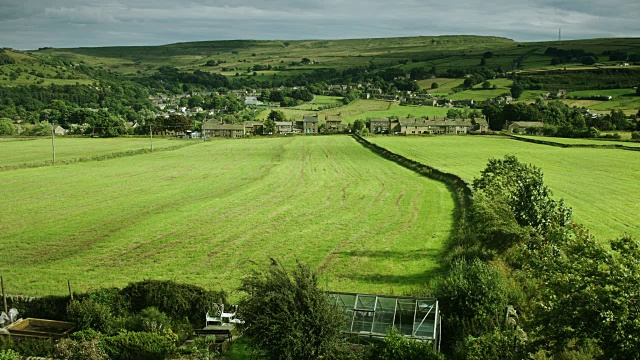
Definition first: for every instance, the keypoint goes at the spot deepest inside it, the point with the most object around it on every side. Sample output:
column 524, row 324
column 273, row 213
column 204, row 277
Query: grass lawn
column 40, row 151
column 599, row 184
column 207, row 214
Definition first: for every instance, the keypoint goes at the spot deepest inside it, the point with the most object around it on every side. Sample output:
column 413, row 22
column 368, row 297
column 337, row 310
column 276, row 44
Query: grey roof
column 526, row 124
column 310, row 119
column 434, row 122
column 228, row 127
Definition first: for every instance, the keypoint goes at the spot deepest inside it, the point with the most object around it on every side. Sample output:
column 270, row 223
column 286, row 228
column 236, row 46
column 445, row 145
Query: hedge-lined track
column 203, row 214
column 599, row 184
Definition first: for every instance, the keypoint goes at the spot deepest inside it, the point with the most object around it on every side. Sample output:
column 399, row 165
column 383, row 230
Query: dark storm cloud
column 65, row 23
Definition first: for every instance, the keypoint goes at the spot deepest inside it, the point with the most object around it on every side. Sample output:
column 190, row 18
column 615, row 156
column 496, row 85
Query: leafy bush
column 150, row 320
column 177, row 300
column 47, row 307
column 635, row 135
column 288, row 316
column 138, row 346
column 31, row 347
column 471, row 297
column 68, row 349
column 87, row 314
column 496, row 345
column 396, row 346
column 9, row 355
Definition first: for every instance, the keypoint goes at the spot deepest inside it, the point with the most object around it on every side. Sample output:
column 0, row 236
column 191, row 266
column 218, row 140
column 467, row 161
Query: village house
column 227, row 131
column 333, row 126
column 310, row 125
column 284, row 127
column 416, row 126
column 253, row 128
column 379, row 125
column 521, row 127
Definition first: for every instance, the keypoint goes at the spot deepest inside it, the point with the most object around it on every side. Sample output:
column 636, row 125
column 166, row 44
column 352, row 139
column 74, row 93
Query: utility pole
column 53, row 145
column 4, row 296
column 151, row 133
column 559, row 34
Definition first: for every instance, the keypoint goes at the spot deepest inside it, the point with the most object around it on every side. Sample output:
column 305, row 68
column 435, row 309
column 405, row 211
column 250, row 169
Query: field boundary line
column 109, row 156
column 557, row 144
column 460, row 188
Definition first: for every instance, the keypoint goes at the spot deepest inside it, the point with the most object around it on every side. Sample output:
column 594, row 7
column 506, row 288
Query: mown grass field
column 39, row 150
column 208, row 213
column 601, row 185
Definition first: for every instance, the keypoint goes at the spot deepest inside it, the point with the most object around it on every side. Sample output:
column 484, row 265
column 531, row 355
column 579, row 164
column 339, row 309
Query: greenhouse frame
column 371, row 316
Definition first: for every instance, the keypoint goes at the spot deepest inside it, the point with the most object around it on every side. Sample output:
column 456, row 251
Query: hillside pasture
column 599, row 184
column 207, row 214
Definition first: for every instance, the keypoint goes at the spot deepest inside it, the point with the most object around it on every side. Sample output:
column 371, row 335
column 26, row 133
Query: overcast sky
column 29, row 24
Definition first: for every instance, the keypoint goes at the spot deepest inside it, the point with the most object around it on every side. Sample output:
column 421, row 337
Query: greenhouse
column 371, row 316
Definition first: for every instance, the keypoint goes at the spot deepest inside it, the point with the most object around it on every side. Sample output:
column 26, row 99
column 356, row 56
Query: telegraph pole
column 53, row 145
column 151, row 134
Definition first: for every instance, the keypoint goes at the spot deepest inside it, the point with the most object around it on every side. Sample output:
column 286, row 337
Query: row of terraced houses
column 310, row 125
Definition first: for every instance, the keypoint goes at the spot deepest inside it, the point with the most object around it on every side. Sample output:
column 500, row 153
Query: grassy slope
column 599, row 184
column 208, row 213
column 34, row 72
column 362, row 109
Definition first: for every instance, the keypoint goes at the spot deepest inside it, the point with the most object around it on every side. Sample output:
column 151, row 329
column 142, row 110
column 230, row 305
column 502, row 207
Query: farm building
column 521, row 127
column 370, row 316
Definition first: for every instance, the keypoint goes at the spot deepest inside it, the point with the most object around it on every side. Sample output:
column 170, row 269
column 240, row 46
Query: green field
column 599, row 184
column 362, row 109
column 14, row 153
column 570, row 141
column 207, row 213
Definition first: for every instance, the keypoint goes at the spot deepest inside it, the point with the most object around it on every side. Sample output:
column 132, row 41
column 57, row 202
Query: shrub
column 68, row 349
column 32, row 347
column 178, row 301
column 9, row 355
column 495, row 345
column 87, row 314
column 635, row 135
column 138, row 346
column 288, row 316
column 47, row 307
column 396, row 346
column 150, row 320
column 471, row 296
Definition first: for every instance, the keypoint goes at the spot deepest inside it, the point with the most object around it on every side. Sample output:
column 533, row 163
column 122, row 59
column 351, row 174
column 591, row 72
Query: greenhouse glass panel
column 370, row 316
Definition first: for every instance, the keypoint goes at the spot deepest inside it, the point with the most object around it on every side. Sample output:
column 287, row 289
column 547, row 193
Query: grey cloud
column 66, row 23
